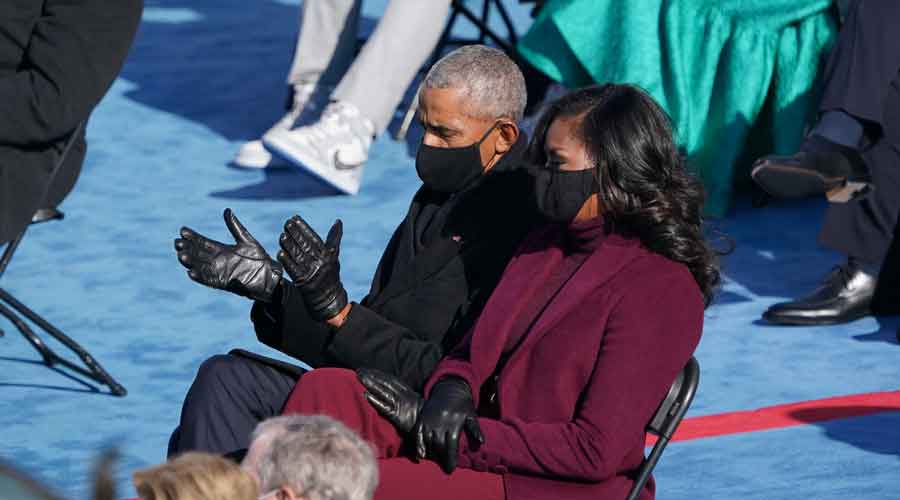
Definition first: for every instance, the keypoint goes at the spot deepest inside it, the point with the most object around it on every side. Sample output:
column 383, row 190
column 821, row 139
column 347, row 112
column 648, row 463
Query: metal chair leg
column 94, row 371
column 408, row 117
column 38, row 344
column 8, row 253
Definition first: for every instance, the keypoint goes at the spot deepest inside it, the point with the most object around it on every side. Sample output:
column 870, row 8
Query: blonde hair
column 196, row 476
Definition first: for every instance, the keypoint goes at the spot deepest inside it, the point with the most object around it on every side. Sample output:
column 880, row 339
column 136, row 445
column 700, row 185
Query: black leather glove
column 392, row 398
column 243, row 268
column 314, row 266
column 448, row 411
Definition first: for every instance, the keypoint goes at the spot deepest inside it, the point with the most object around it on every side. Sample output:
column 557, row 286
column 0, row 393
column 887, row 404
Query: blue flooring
column 205, row 76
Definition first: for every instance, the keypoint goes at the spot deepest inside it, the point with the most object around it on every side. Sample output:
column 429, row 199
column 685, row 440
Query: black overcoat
column 57, row 59
column 420, row 303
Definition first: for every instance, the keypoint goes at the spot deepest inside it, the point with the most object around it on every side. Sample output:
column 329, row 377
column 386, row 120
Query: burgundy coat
column 576, row 394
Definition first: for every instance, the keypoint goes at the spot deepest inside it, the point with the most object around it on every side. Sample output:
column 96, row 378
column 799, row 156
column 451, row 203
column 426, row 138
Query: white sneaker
column 253, row 154
column 334, row 149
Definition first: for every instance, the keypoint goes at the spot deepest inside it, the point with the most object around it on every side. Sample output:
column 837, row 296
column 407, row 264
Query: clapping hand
column 314, row 267
column 243, row 268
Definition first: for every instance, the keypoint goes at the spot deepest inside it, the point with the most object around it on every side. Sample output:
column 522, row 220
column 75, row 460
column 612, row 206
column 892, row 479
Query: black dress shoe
column 845, row 295
column 821, row 167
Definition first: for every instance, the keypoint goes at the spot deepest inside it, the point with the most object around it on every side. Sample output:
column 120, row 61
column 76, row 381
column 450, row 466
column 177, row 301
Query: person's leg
column 864, row 61
column 326, row 42
column 325, row 48
column 229, row 396
column 336, row 148
column 401, row 479
column 857, row 84
column 337, row 392
column 862, row 230
column 399, row 46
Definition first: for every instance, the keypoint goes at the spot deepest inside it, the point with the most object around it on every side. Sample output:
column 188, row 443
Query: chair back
column 666, row 419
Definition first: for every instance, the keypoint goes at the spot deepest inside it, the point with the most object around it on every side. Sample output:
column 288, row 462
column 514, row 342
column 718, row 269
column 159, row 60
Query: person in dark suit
column 549, row 393
column 440, row 266
column 852, row 155
column 57, row 60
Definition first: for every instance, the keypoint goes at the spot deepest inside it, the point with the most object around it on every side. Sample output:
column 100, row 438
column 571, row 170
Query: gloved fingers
column 451, row 451
column 185, row 260
column 201, row 243
column 371, row 379
column 395, row 384
column 187, row 232
column 298, row 249
column 293, row 250
column 291, row 267
column 333, row 240
column 183, row 251
column 436, row 442
column 381, row 386
column 237, row 230
column 195, row 276
column 189, row 255
column 420, row 441
column 380, row 406
column 364, row 374
column 304, row 235
column 473, row 430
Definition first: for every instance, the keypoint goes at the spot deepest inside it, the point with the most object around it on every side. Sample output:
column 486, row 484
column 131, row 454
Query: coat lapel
column 527, row 271
column 599, row 268
column 435, row 257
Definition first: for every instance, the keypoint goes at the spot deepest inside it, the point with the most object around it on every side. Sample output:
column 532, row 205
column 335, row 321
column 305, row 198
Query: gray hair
column 318, row 457
column 488, row 77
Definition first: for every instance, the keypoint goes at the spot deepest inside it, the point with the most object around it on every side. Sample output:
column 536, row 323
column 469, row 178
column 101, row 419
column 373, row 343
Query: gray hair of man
column 316, row 456
column 491, row 81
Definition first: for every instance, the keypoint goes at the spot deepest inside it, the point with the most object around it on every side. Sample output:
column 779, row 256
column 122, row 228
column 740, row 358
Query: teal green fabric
column 737, row 76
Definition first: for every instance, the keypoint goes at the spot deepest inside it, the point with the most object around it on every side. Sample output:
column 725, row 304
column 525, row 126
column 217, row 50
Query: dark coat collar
column 463, row 222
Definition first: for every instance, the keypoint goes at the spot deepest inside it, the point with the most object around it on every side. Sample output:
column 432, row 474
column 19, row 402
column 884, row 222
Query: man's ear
column 509, row 134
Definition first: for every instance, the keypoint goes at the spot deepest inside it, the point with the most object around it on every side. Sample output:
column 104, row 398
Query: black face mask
column 449, row 170
column 560, row 194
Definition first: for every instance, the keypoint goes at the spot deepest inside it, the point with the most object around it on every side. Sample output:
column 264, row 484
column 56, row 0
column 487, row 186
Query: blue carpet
column 205, row 76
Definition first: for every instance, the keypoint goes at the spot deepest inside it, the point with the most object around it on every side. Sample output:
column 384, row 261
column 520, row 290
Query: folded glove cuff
column 328, row 305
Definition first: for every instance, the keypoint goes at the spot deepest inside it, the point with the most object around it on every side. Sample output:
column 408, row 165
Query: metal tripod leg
column 94, row 371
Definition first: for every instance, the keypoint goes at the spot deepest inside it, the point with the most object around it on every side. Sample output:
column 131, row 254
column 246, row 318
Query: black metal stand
column 11, row 308
column 481, row 22
column 485, row 32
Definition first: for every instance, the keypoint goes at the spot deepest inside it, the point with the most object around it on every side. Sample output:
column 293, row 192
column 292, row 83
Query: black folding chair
column 14, row 311
column 666, row 419
column 485, row 33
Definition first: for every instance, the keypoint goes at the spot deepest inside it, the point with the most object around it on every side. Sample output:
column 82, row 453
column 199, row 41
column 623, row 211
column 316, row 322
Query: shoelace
column 330, row 124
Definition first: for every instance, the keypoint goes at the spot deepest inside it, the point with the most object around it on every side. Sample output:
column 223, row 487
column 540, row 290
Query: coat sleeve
column 285, row 325
column 458, row 364
column 638, row 360
column 368, row 339
column 75, row 52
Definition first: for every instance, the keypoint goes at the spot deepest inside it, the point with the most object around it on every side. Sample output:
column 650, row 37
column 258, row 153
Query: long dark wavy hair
column 644, row 188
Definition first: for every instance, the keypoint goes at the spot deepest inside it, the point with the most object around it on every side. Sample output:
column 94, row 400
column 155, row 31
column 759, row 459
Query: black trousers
column 862, row 79
column 231, row 394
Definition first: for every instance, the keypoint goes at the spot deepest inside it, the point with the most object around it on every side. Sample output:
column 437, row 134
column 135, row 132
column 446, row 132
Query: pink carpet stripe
column 788, row 415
